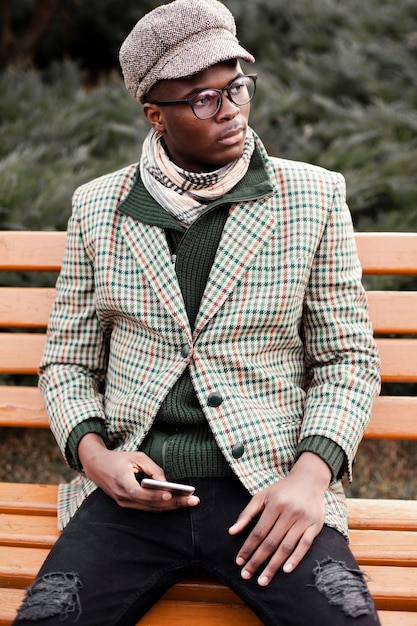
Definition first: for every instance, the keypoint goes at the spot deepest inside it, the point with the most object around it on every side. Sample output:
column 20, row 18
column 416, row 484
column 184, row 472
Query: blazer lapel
column 248, row 228
column 150, row 249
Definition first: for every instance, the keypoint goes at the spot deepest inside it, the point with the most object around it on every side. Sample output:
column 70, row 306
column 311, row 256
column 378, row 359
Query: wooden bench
column 383, row 532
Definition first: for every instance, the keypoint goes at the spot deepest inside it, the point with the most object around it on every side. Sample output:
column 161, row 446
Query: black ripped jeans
column 111, row 565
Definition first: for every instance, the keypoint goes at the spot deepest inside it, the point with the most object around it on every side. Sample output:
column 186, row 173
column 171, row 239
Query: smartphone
column 177, row 489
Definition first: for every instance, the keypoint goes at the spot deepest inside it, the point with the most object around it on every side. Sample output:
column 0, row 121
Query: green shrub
column 54, row 136
column 336, row 87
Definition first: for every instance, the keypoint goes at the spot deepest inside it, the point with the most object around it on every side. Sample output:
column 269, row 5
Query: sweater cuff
column 329, row 451
column 91, row 425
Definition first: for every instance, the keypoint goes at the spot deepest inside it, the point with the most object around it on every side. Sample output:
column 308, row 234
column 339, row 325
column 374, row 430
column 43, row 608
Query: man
column 210, row 328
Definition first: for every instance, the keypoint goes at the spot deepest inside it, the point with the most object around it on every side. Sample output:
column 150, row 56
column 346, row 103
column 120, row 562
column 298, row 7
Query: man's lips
column 232, row 135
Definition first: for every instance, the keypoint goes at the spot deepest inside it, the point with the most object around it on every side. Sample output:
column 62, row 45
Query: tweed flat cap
column 176, row 40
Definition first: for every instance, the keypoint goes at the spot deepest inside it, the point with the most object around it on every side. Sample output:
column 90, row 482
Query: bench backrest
column 24, row 315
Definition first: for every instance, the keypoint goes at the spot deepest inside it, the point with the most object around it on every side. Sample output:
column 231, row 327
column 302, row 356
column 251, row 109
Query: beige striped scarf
column 183, row 194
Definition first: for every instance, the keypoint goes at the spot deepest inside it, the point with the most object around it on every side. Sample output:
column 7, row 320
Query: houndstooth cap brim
column 176, row 40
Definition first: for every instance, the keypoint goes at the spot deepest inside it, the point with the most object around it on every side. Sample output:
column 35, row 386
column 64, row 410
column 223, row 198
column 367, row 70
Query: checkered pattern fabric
column 283, row 300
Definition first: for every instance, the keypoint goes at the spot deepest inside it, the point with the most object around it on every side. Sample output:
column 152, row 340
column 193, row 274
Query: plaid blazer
column 284, row 300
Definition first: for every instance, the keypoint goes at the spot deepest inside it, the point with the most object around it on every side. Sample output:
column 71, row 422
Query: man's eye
column 204, row 99
column 237, row 88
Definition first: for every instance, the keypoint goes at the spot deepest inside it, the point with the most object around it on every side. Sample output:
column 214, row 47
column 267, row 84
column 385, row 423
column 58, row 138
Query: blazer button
column 185, row 350
column 238, row 450
column 214, row 399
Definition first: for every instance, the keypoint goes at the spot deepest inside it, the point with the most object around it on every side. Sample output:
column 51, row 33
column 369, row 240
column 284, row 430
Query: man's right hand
column 115, row 473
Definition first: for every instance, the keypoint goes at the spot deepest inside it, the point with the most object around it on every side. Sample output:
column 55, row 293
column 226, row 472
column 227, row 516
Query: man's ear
column 154, row 115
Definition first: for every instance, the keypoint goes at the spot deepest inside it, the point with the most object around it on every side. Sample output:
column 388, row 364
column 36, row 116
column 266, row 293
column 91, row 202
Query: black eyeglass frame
column 190, row 101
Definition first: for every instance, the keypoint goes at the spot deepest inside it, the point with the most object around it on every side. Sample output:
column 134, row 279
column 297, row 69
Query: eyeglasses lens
column 207, row 103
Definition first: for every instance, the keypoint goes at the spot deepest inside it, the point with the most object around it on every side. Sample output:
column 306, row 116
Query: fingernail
column 240, row 561
column 263, row 581
column 245, row 574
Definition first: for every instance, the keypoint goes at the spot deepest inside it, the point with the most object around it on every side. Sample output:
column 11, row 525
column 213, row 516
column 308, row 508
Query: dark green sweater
column 180, row 440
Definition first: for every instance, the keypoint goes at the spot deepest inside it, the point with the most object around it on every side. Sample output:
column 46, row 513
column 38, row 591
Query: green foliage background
column 337, row 87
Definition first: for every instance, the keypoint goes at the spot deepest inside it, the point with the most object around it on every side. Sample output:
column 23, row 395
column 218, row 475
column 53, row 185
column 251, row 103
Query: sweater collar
column 141, row 206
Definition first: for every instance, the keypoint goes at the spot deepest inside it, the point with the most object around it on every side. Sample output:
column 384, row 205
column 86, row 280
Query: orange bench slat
column 20, row 353
column 32, row 531
column 25, row 307
column 398, row 362
column 393, row 417
column 170, row 610
column 19, row 566
column 370, row 547
column 384, row 547
column 393, row 312
column 378, row 514
column 387, row 253
column 23, row 407
column 31, row 250
column 29, row 307
column 28, row 498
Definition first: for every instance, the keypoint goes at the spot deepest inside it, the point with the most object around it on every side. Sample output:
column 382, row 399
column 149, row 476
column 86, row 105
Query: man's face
column 193, row 144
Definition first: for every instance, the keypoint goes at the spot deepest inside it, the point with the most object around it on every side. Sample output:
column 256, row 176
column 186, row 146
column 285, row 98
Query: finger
column 184, row 501
column 290, row 553
column 272, row 516
column 164, row 495
column 139, row 463
column 252, row 556
column 152, row 499
column 301, row 550
column 160, row 501
column 253, row 509
column 143, row 463
column 260, row 544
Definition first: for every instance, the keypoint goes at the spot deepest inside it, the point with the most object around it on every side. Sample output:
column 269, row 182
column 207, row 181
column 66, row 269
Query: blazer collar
column 250, row 223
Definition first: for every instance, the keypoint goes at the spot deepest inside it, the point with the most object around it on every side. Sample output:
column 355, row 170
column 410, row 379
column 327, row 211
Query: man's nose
column 228, row 108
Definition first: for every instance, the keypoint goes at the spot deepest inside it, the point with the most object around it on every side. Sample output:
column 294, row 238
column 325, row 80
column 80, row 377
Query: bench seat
column 383, row 532
column 383, row 539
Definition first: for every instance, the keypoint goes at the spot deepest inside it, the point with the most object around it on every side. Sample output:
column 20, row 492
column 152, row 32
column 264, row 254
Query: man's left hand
column 292, row 513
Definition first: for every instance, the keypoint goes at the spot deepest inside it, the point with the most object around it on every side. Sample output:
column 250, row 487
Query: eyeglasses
column 207, row 102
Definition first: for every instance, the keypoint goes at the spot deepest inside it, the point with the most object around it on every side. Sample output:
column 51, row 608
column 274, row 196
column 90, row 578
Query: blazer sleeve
column 73, row 366
column 340, row 352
